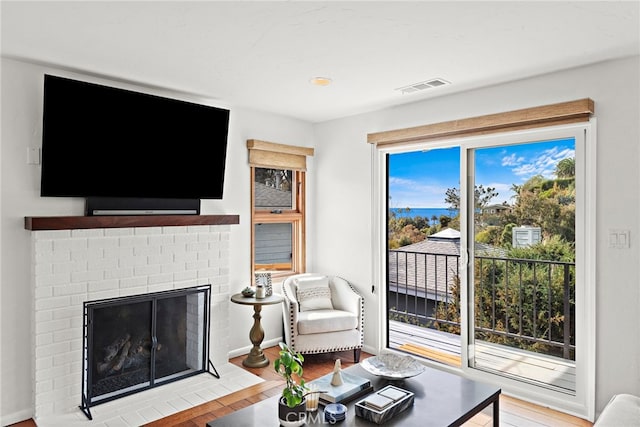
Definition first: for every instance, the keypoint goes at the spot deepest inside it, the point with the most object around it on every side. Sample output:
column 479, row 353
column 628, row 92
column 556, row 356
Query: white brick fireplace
column 72, row 266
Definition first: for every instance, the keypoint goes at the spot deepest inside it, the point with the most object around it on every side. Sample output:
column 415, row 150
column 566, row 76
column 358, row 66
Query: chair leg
column 356, row 355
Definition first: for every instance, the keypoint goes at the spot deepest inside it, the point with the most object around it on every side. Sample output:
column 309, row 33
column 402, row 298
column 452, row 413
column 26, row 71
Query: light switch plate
column 619, row 239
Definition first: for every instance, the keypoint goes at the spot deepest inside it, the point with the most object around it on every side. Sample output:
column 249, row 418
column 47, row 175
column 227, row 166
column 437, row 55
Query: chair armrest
column 345, row 298
column 622, row 410
column 290, row 309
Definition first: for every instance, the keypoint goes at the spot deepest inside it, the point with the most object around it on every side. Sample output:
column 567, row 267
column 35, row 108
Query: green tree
column 276, row 178
column 482, row 195
column 405, row 230
column 515, row 188
column 506, row 239
column 548, row 204
column 533, row 183
column 517, row 299
column 448, row 313
column 522, row 297
column 444, row 221
column 491, row 235
column 566, row 168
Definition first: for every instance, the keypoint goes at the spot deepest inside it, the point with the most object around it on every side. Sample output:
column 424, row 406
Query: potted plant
column 291, row 407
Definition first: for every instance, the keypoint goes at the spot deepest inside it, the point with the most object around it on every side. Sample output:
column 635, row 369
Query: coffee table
column 441, row 399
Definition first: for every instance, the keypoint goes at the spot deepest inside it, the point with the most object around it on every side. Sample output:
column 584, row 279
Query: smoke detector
column 427, row 84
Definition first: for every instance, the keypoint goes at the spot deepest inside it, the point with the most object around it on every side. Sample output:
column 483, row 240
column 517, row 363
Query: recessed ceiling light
column 320, row 81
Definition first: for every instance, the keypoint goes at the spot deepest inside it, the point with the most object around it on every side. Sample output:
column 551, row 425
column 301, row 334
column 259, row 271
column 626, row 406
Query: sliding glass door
column 423, row 282
column 499, row 282
column 522, row 271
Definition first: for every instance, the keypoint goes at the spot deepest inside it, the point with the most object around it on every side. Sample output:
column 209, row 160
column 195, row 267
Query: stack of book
column 352, row 387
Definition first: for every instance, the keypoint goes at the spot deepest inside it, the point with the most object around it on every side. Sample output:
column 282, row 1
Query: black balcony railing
column 523, row 303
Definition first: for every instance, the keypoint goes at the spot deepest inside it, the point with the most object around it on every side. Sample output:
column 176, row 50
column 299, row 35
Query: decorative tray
column 393, row 366
column 384, row 404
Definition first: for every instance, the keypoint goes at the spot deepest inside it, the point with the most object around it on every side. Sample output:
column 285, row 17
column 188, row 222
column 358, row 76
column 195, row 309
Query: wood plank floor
column 513, row 412
column 548, row 371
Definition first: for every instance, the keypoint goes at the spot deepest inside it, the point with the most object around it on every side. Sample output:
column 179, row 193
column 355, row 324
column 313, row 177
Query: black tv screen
column 100, row 141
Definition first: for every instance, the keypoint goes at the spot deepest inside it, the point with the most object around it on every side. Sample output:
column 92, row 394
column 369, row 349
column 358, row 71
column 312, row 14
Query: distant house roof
column 269, row 197
column 447, row 233
column 447, row 242
column 429, row 268
column 496, row 208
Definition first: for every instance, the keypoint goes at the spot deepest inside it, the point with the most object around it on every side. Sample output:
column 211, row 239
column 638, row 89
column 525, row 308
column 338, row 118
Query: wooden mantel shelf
column 36, row 223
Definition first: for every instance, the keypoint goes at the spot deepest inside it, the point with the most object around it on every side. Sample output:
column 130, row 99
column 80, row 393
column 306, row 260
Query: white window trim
column 583, row 403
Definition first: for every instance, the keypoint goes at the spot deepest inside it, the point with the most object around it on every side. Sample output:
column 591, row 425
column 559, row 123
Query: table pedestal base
column 256, row 358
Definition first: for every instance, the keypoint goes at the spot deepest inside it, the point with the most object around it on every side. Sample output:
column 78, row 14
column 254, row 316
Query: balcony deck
column 548, row 371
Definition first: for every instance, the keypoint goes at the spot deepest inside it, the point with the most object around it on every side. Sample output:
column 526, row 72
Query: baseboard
column 275, row 341
column 245, row 350
column 369, row 349
column 16, row 417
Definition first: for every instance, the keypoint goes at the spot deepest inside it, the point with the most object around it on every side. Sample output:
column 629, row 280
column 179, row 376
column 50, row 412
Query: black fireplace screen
column 139, row 342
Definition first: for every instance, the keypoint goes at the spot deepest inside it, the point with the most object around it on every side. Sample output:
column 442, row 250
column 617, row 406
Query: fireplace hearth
column 139, row 342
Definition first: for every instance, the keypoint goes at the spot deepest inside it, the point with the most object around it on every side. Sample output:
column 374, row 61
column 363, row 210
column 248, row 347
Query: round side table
column 256, row 357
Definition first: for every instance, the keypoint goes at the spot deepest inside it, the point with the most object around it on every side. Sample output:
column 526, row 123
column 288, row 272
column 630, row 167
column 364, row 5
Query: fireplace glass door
column 121, row 348
column 138, row 342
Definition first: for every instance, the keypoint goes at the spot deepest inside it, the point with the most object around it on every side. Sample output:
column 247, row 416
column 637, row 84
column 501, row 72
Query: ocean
column 425, row 212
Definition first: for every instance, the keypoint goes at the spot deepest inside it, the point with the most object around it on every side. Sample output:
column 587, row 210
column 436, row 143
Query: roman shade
column 263, row 154
column 528, row 118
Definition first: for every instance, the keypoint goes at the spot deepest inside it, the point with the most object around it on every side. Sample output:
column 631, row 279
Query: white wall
column 341, row 235
column 339, row 226
column 21, row 128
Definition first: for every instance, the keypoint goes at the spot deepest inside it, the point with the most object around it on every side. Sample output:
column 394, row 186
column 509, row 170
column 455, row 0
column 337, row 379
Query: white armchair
column 322, row 314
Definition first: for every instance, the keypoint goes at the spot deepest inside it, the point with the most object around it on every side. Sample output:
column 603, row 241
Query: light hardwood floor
column 513, row 412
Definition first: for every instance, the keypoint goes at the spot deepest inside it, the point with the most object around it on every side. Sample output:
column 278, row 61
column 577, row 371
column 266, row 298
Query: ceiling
column 261, row 55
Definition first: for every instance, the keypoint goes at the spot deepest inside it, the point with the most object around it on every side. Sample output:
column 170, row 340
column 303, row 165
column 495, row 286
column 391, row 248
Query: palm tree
column 566, row 168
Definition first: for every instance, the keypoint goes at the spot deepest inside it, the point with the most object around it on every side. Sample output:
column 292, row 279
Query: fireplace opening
column 139, row 342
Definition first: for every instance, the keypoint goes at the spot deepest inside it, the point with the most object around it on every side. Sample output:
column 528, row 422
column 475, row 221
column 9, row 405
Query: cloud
column 512, row 160
column 544, row 164
column 415, row 194
column 401, row 182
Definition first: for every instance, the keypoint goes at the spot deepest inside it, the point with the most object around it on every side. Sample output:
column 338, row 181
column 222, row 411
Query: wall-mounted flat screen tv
column 100, row 141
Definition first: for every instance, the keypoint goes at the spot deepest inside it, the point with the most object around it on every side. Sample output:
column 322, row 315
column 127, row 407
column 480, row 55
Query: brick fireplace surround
column 74, row 265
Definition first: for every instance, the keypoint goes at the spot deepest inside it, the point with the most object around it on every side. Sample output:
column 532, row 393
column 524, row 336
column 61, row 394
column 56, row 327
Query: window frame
column 296, row 217
column 577, row 114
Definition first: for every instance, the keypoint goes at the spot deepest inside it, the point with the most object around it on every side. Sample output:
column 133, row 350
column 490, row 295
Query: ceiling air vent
column 427, row 84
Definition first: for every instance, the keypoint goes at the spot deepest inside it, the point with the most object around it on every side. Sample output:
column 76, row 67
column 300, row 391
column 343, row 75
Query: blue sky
column 420, row 179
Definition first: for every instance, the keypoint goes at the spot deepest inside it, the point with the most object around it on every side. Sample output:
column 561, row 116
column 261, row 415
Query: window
column 278, row 220
column 277, row 207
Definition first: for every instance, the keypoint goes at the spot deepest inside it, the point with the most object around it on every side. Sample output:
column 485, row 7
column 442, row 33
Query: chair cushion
column 320, row 321
column 313, row 293
column 622, row 410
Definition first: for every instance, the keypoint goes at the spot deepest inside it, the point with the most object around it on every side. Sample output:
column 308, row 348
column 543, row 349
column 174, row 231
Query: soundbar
column 126, row 206
column 144, row 212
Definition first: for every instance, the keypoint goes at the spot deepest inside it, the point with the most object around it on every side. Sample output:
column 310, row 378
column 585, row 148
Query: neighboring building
column 272, row 241
column 496, row 209
column 427, row 269
column 270, row 197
